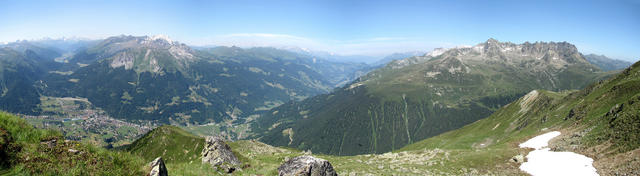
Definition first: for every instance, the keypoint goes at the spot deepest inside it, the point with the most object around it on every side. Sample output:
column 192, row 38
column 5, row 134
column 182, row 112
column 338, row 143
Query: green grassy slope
column 262, row 159
column 502, row 127
column 601, row 121
column 403, row 103
column 585, row 117
column 578, row 109
column 181, row 151
column 18, row 72
column 169, row 142
column 204, row 86
column 23, row 154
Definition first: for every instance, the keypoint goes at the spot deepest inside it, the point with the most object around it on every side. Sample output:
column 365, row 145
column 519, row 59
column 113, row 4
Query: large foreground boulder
column 158, row 168
column 217, row 153
column 306, row 165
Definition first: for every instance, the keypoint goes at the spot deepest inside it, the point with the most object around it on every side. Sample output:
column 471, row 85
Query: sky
column 358, row 27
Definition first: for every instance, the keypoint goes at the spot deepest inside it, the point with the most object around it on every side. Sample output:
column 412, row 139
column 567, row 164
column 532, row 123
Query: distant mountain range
column 605, row 63
column 419, row 97
column 154, row 79
column 396, row 56
column 332, row 56
column 599, row 122
column 411, row 96
column 456, row 111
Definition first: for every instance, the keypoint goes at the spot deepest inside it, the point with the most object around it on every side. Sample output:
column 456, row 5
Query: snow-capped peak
column 437, row 52
column 161, row 37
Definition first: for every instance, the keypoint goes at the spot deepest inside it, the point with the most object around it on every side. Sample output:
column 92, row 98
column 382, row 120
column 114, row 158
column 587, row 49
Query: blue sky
column 344, row 27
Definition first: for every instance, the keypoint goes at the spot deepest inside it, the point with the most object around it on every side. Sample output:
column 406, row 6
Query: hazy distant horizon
column 370, row 28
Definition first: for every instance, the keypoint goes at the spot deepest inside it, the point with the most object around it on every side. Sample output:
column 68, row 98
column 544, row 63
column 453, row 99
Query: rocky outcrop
column 158, row 168
column 50, row 143
column 217, row 153
column 517, row 159
column 306, row 165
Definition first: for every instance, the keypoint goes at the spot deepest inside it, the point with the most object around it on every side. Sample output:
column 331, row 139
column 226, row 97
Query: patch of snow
column 541, row 141
column 507, row 49
column 161, row 37
column 436, row 52
column 453, row 70
column 432, row 74
column 542, row 161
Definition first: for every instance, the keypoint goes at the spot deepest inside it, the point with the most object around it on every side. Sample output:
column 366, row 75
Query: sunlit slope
column 601, row 121
column 419, row 97
column 28, row 151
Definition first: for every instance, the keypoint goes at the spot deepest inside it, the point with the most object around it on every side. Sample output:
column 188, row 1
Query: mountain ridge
column 606, row 63
column 155, row 80
column 418, row 97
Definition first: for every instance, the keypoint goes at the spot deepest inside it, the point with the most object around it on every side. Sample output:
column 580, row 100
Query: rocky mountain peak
column 561, row 52
column 148, row 50
column 160, row 41
column 555, row 54
column 161, row 37
column 436, row 52
column 152, row 42
column 491, row 41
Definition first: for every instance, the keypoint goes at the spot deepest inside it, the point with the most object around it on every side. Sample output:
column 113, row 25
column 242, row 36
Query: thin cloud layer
column 377, row 46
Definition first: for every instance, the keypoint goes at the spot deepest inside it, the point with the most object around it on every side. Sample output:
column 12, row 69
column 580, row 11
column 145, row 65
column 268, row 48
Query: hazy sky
column 345, row 27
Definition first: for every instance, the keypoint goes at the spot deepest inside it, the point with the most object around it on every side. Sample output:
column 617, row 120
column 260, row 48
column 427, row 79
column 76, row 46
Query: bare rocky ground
column 606, row 163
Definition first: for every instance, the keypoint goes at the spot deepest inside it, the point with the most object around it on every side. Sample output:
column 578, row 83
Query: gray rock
column 158, row 168
column 517, row 159
column 50, row 143
column 306, row 165
column 217, row 153
column 74, row 151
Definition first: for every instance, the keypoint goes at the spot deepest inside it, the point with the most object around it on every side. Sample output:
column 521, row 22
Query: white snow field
column 543, row 162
